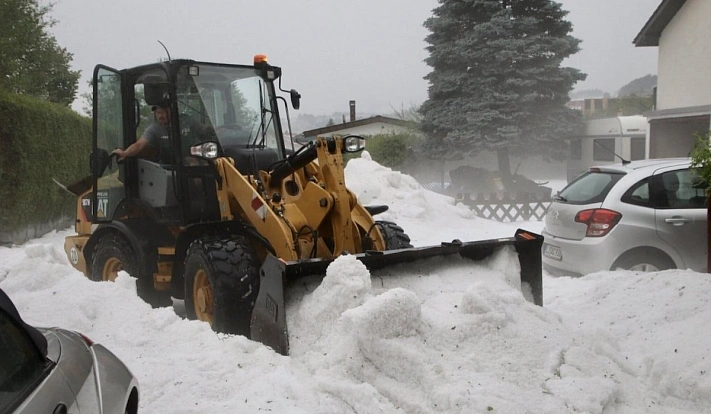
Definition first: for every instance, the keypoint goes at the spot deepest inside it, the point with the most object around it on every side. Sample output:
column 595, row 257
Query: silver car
column 645, row 215
column 58, row 371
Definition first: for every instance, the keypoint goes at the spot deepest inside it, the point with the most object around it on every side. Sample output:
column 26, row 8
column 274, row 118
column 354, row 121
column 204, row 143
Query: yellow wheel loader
column 223, row 211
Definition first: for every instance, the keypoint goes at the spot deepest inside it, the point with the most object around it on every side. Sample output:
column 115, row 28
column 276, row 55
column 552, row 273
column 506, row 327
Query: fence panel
column 507, row 207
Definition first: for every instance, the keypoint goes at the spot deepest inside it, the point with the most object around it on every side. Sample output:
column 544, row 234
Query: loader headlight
column 353, row 143
column 207, row 150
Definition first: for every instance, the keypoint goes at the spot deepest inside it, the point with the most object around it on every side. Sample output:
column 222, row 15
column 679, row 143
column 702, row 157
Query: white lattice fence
column 507, row 208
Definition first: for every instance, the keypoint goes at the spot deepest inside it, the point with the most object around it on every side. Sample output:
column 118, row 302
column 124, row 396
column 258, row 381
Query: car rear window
column 591, row 187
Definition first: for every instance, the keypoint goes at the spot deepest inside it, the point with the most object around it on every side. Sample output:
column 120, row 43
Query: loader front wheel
column 221, row 283
column 114, row 254
column 394, row 235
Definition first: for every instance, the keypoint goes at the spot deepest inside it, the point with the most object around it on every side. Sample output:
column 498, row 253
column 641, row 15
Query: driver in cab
column 155, row 139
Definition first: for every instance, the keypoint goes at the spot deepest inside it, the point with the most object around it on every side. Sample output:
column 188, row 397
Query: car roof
column 643, row 165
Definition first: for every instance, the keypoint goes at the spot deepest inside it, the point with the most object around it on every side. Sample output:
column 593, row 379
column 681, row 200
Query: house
column 591, row 106
column 374, row 125
column 681, row 31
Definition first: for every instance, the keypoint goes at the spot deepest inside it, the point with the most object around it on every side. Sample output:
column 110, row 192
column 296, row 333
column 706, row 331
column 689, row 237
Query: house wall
column 684, row 72
column 675, row 137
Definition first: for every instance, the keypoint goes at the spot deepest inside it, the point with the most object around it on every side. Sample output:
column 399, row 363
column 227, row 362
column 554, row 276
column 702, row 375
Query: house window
column 604, row 149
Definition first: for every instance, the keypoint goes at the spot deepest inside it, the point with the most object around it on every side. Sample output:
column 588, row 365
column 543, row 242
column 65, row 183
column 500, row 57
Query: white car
column 53, row 370
column 644, row 215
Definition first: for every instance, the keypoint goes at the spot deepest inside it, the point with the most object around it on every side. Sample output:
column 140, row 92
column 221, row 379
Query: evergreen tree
column 497, row 83
column 31, row 61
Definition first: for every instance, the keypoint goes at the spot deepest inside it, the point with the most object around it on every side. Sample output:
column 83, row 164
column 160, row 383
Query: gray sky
column 371, row 51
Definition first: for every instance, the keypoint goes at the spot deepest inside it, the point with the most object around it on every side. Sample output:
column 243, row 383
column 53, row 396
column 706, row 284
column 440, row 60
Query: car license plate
column 552, row 252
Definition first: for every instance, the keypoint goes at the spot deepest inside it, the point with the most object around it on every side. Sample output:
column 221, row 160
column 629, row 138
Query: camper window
column 604, row 149
column 637, row 148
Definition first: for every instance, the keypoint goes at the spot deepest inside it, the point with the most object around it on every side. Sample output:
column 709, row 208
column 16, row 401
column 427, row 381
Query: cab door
column 109, row 128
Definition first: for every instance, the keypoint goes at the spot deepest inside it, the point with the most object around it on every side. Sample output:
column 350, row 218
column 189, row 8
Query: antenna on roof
column 624, row 161
column 166, row 51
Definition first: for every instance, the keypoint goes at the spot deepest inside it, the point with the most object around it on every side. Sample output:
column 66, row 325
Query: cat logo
column 102, row 204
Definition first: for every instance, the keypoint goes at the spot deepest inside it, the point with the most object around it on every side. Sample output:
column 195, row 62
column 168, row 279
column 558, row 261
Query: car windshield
column 591, row 187
column 235, row 101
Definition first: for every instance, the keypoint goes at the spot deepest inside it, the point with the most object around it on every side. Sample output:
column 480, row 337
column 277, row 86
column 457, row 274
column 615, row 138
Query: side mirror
column 156, row 90
column 295, row 99
column 99, row 161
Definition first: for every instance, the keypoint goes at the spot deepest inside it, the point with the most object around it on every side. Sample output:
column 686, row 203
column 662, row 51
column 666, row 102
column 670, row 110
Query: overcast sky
column 371, row 51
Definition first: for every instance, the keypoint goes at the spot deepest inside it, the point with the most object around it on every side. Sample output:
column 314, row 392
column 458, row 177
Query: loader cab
column 232, row 105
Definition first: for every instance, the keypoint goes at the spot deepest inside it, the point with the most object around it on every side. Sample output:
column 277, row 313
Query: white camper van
column 607, row 141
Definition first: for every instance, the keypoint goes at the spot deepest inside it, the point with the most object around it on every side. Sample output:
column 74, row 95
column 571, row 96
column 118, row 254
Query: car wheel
column 113, row 254
column 222, row 283
column 394, row 235
column 644, row 261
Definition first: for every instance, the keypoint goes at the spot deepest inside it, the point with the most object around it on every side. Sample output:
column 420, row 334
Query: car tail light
column 86, row 339
column 599, row 221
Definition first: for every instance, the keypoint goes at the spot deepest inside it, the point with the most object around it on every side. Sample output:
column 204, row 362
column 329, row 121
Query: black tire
column 644, row 261
column 222, row 283
column 113, row 254
column 394, row 235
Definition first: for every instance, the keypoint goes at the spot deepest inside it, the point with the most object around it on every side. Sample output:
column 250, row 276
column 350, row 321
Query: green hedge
column 39, row 141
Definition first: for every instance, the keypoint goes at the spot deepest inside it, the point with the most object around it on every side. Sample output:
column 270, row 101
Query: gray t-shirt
column 156, row 134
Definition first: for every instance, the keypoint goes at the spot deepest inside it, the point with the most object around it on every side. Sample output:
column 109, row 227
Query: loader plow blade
column 268, row 324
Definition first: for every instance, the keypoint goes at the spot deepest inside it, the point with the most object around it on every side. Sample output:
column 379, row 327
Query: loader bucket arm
column 268, row 324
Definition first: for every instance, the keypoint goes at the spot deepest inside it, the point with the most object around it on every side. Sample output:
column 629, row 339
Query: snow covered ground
column 439, row 337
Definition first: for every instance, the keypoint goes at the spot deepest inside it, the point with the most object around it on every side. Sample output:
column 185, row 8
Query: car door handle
column 677, row 221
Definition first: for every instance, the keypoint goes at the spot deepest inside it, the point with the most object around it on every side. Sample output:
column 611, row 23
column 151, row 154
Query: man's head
column 162, row 114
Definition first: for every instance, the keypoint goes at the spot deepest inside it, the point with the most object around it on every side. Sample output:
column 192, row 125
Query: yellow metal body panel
column 237, row 191
column 297, row 214
column 74, row 247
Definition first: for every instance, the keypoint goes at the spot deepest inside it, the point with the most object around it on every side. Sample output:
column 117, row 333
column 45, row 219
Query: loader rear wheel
column 394, row 235
column 222, row 283
column 114, row 254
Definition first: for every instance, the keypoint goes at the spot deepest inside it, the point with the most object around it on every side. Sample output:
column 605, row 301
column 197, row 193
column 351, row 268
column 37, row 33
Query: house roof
column 652, row 30
column 357, row 123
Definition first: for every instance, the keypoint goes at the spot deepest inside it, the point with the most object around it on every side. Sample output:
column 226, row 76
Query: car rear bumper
column 555, row 271
column 578, row 257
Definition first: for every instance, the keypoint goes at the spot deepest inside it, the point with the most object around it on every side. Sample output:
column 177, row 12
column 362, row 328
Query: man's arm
column 137, row 148
column 146, row 146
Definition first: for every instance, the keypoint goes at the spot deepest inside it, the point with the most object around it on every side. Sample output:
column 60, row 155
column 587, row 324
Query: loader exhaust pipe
column 268, row 324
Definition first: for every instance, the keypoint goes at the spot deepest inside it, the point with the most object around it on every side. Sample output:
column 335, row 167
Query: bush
column 394, row 150
column 39, row 141
column 701, row 160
